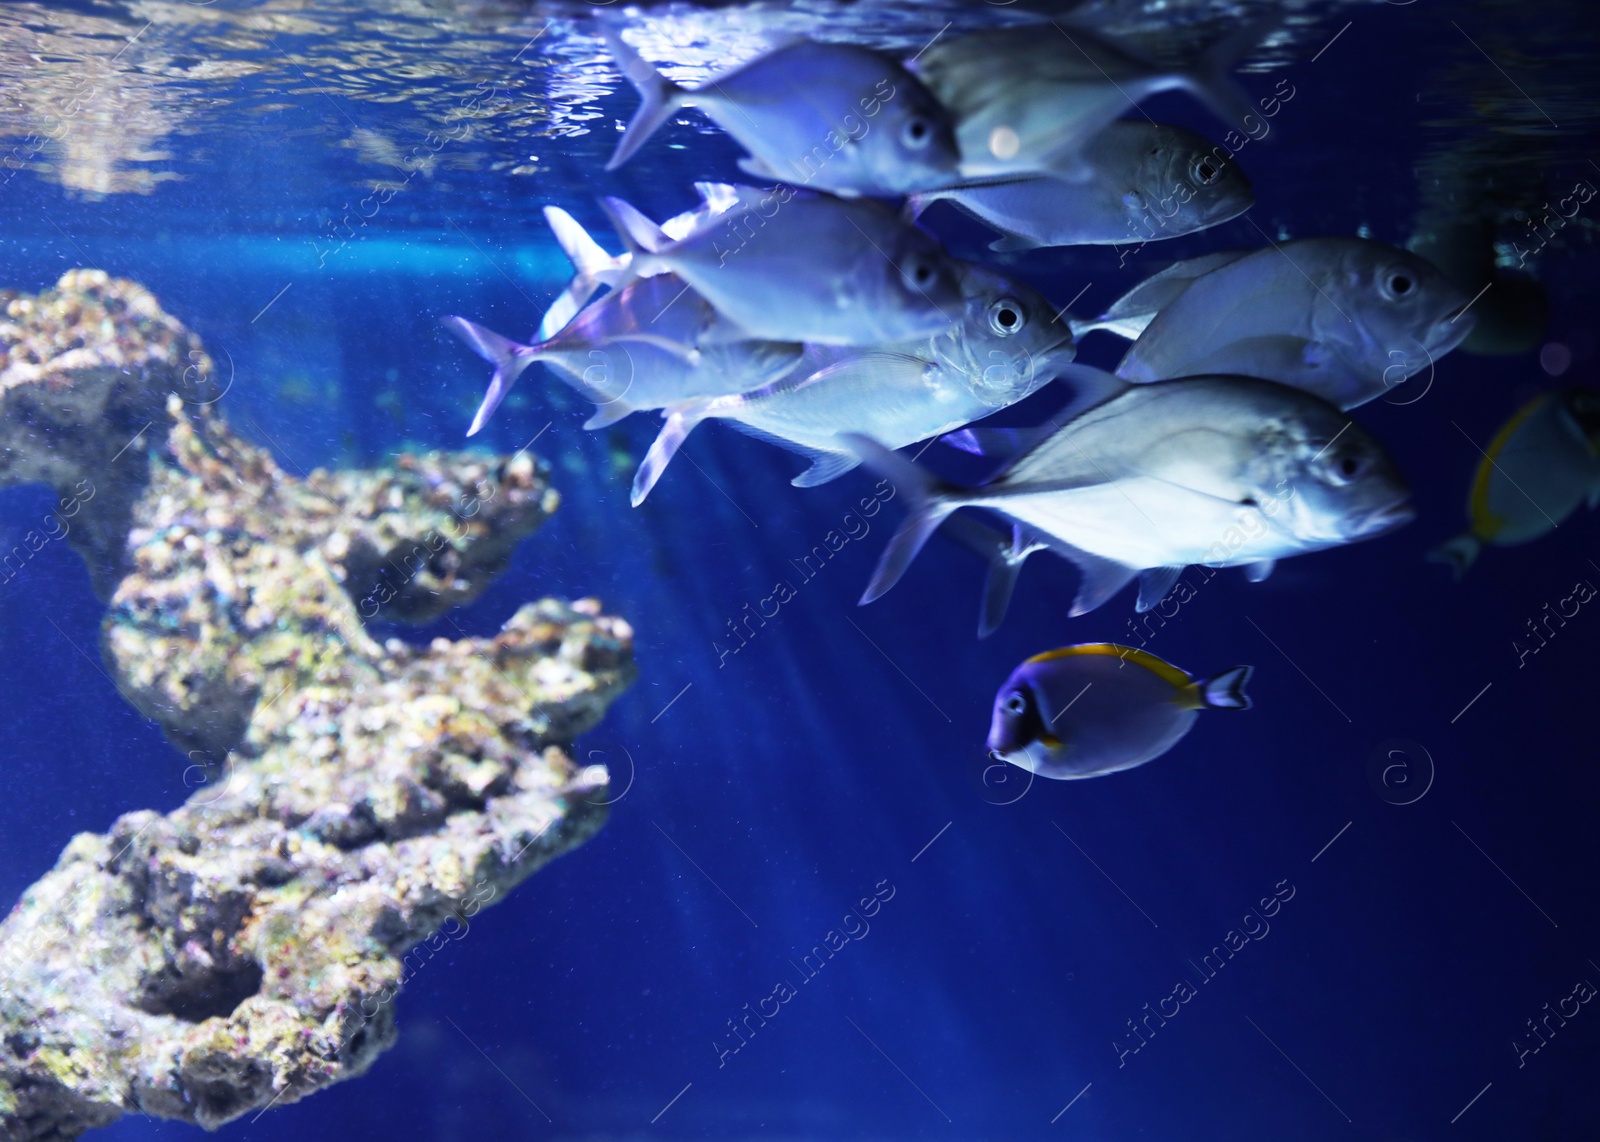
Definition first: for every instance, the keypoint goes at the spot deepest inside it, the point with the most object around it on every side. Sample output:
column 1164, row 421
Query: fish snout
column 1388, row 518
column 1452, row 329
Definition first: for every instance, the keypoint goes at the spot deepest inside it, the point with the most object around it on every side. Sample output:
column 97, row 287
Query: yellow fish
column 1539, row 467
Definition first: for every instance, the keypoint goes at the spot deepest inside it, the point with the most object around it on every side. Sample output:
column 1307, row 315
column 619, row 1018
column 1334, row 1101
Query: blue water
column 766, row 793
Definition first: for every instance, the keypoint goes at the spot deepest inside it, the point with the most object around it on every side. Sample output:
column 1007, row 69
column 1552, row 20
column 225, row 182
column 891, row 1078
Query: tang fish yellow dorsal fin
column 1160, row 667
column 1485, row 524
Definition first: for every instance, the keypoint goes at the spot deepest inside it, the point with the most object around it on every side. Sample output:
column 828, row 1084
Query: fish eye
column 1006, row 316
column 918, row 274
column 1345, row 468
column 1016, row 702
column 917, row 133
column 1398, row 284
column 1204, row 171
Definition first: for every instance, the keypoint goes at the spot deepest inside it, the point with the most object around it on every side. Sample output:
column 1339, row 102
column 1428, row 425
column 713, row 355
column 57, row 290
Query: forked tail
column 592, row 267
column 1226, row 690
column 507, row 356
column 660, row 97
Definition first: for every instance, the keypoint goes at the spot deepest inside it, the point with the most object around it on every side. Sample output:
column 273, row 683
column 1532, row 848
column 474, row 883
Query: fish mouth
column 1230, row 207
column 1386, row 519
column 1451, row 329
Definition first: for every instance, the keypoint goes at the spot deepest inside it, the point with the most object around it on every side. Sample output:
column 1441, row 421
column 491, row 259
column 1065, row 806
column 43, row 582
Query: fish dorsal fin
column 1154, row 583
column 1160, row 667
column 1012, row 242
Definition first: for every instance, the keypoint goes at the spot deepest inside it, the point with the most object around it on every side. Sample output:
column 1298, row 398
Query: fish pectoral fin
column 1154, row 583
column 1013, row 242
column 1102, row 578
column 1259, row 570
column 1277, row 356
column 1316, row 354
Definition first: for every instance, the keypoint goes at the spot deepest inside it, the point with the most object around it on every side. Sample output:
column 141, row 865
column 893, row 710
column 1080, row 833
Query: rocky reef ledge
column 356, row 804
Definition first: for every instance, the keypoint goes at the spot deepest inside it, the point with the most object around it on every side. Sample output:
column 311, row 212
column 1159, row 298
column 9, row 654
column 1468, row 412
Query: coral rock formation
column 357, row 803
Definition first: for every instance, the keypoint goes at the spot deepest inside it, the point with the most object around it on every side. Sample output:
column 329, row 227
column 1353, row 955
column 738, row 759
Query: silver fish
column 790, row 265
column 1098, row 708
column 1005, row 347
column 1148, row 181
column 651, row 344
column 1542, row 464
column 832, row 116
column 1344, row 318
column 1030, row 98
column 1218, row 471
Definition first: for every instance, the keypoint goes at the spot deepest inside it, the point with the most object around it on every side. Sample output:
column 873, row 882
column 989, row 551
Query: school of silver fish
column 818, row 315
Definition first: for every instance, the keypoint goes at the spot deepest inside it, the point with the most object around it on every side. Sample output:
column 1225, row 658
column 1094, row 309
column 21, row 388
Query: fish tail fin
column 660, row 99
column 507, row 356
column 1226, row 690
column 681, row 420
column 1212, row 81
column 1458, row 554
column 930, row 502
column 592, row 265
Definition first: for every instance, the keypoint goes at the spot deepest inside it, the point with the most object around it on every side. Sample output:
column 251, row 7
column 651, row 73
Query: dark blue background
column 823, row 757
